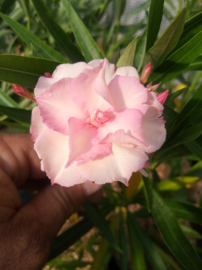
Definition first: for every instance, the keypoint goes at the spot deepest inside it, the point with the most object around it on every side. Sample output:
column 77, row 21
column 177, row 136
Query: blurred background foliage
column 155, row 222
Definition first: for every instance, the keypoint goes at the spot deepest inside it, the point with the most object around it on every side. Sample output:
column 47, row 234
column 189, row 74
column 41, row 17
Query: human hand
column 27, row 232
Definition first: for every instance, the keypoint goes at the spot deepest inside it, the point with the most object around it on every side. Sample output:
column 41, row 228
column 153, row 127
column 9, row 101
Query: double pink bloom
column 95, row 122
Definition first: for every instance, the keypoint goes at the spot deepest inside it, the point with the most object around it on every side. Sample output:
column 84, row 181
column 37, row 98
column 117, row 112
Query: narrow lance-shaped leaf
column 140, row 51
column 196, row 65
column 33, row 41
column 173, row 236
column 196, row 170
column 188, row 114
column 148, row 192
column 186, row 135
column 150, row 249
column 123, row 243
column 61, row 38
column 185, row 211
column 127, row 57
column 166, row 42
column 7, row 100
column 98, row 218
column 190, row 232
column 191, row 28
column 24, row 71
column 69, row 237
column 82, row 35
column 105, row 250
column 20, row 115
column 195, row 147
column 137, row 253
column 178, row 61
column 154, row 21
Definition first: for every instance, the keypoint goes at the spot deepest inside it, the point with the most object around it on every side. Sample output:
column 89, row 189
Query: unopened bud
column 23, row 92
column 47, row 75
column 149, row 85
column 162, row 96
column 154, row 87
column 145, row 73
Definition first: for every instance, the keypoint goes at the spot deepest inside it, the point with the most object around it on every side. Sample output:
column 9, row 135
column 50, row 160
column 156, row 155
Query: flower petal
column 154, row 130
column 81, row 134
column 118, row 166
column 127, row 71
column 62, row 71
column 43, row 84
column 129, row 120
column 56, row 106
column 110, row 69
column 153, row 101
column 90, row 91
column 37, row 124
column 122, row 138
column 53, row 148
column 128, row 92
column 70, row 70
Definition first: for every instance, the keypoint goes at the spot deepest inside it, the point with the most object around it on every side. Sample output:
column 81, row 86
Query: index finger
column 18, row 158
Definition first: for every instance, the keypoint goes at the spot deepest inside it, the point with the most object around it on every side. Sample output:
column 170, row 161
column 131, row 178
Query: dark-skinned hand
column 27, row 231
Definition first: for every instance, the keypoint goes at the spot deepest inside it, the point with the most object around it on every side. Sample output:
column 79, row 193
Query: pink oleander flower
column 95, row 122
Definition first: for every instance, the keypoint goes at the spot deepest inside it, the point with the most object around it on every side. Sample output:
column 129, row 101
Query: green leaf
column 173, row 236
column 70, row 236
column 187, row 135
column 175, row 184
column 137, row 253
column 170, row 262
column 196, row 170
column 149, row 247
column 185, row 211
column 196, row 65
column 190, row 232
column 23, row 70
column 7, row 100
column 191, row 28
column 105, row 251
column 160, row 155
column 7, row 6
column 174, row 95
column 148, row 192
column 166, row 42
column 190, row 112
column 154, row 21
column 16, row 114
column 123, row 244
column 168, row 185
column 99, row 220
column 33, row 41
column 61, row 38
column 127, row 57
column 140, row 51
column 178, row 61
column 18, row 126
column 195, row 147
column 82, row 35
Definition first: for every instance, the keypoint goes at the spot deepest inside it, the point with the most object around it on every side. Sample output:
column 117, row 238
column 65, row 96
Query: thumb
column 54, row 204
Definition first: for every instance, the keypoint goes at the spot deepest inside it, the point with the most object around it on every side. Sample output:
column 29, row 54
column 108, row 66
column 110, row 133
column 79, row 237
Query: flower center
column 97, row 118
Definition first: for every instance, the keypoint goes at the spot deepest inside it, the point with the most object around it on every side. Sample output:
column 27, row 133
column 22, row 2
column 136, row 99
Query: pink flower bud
column 23, row 92
column 47, row 75
column 145, row 73
column 162, row 96
column 154, row 87
column 149, row 85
